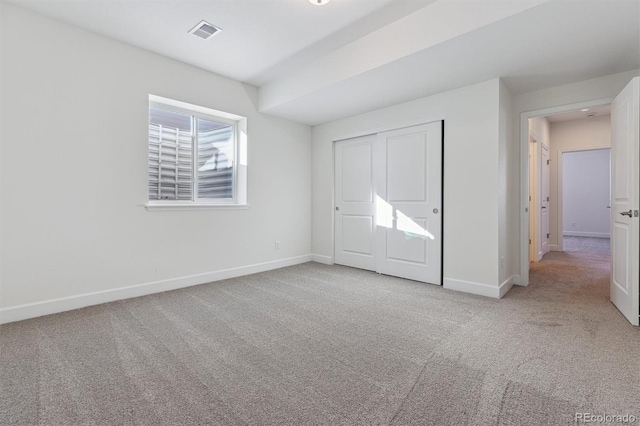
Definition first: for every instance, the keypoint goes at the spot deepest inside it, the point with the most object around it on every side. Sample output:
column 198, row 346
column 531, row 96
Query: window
column 197, row 156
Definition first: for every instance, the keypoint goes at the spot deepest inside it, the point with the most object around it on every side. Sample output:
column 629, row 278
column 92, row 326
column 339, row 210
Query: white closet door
column 354, row 203
column 409, row 189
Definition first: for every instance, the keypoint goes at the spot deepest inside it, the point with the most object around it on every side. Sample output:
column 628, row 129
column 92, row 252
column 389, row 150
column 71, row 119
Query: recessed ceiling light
column 585, row 110
column 319, row 2
column 204, row 30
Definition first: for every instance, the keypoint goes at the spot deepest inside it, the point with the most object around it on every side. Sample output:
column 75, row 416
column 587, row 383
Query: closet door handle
column 629, row 213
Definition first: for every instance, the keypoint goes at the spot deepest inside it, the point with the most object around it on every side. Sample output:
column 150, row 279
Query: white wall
column 471, row 178
column 555, row 97
column 74, row 170
column 586, row 193
column 569, row 136
column 507, row 181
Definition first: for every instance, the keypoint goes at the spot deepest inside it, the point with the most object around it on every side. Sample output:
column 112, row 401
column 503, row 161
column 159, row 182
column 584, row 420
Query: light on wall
column 319, row 2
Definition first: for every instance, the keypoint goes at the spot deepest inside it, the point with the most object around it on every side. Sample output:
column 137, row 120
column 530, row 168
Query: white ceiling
column 579, row 114
column 316, row 64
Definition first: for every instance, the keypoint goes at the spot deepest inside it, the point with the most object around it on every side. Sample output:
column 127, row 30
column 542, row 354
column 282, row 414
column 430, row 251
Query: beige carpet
column 317, row 344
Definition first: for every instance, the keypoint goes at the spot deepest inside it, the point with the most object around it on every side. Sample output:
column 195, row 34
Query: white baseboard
column 554, row 247
column 517, row 280
column 327, row 260
column 586, row 234
column 506, row 286
column 54, row 306
column 471, row 287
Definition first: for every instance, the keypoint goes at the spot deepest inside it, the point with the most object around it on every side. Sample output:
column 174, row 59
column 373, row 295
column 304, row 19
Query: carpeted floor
column 317, row 344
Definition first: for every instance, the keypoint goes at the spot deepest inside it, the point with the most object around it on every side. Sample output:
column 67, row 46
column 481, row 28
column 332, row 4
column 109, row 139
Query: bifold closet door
column 355, row 203
column 388, row 202
column 409, row 239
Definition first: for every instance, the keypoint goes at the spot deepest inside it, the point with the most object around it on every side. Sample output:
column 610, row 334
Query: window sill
column 192, row 206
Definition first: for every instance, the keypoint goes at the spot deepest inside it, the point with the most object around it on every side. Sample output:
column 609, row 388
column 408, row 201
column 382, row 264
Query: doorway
column 624, row 134
column 569, row 178
column 584, row 126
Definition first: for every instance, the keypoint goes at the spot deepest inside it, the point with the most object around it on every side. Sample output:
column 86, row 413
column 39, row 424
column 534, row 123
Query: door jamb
column 524, row 173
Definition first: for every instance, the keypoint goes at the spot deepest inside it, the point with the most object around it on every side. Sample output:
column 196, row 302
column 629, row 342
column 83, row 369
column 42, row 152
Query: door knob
column 337, row 208
column 629, row 213
column 435, row 211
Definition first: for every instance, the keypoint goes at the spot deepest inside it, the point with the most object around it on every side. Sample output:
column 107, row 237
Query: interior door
column 544, row 201
column 354, row 203
column 410, row 203
column 625, row 189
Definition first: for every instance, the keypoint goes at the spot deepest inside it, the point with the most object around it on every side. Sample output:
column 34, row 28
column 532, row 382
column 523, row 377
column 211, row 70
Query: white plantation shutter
column 170, row 155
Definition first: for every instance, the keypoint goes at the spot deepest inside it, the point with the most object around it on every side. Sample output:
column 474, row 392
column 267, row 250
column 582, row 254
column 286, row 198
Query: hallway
column 580, row 271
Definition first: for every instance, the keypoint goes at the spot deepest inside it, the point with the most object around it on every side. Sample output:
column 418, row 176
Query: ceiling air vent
column 204, row 30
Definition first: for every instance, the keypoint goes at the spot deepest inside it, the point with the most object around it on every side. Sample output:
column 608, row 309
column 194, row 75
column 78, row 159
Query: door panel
column 625, row 189
column 354, row 198
column 407, row 156
column 357, row 234
column 357, row 181
column 410, row 244
column 620, row 241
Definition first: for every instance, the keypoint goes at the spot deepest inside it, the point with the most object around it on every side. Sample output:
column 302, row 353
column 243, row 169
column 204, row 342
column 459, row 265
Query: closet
column 388, row 202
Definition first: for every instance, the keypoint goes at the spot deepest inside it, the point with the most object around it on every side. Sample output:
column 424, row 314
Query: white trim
column 587, row 234
column 53, row 306
column 388, row 128
column 166, row 207
column 471, row 287
column 239, row 125
column 554, row 247
column 327, row 260
column 506, row 286
column 524, row 173
column 179, row 105
column 517, row 281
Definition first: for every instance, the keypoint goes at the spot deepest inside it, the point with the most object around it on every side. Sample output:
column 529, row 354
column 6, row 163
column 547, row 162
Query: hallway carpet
column 329, row 345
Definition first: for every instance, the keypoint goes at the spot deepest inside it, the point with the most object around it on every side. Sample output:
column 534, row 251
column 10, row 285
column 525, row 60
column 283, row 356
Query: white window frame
column 239, row 179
